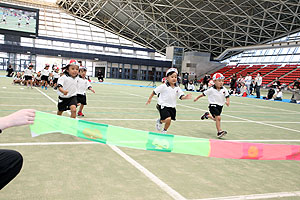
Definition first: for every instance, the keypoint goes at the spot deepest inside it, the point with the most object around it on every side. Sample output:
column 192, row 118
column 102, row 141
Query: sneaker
column 221, row 134
column 158, row 125
column 42, row 86
column 204, row 116
column 164, row 132
column 45, row 88
column 80, row 114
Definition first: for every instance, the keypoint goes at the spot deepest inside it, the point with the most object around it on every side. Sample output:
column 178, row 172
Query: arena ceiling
column 197, row 25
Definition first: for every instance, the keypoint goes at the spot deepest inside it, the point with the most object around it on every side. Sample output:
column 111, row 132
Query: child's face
column 172, row 79
column 82, row 73
column 73, row 70
column 219, row 83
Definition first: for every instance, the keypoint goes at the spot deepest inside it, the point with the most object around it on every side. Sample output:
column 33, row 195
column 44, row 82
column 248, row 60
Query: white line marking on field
column 259, row 106
column 150, row 175
column 4, row 87
column 257, row 196
column 22, row 98
column 126, row 142
column 45, row 143
column 257, row 122
column 175, row 195
column 189, row 120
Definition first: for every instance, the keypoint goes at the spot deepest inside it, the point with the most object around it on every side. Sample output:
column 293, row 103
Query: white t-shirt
column 68, row 83
column 258, row 81
column 45, row 72
column 191, row 87
column 168, row 95
column 28, row 72
column 83, row 85
column 248, row 80
column 55, row 75
column 216, row 97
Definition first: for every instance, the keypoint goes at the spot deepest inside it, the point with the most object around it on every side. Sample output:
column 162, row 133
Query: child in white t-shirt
column 28, row 74
column 217, row 96
column 83, row 85
column 168, row 93
column 67, row 89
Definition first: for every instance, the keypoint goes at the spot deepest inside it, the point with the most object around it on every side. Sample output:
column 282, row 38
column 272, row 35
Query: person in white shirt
column 17, row 78
column 83, row 85
column 28, row 74
column 45, row 76
column 217, row 96
column 248, row 81
column 191, row 86
column 56, row 76
column 258, row 82
column 278, row 94
column 67, row 89
column 168, row 93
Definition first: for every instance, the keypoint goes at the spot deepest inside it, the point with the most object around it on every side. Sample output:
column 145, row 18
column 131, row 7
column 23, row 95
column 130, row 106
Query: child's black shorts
column 166, row 112
column 55, row 80
column 44, row 78
column 28, row 78
column 215, row 110
column 65, row 103
column 81, row 98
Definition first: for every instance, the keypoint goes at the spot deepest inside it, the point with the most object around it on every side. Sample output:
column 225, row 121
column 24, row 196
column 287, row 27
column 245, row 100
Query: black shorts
column 81, row 98
column 215, row 110
column 44, row 78
column 166, row 112
column 65, row 103
column 55, row 80
column 28, row 78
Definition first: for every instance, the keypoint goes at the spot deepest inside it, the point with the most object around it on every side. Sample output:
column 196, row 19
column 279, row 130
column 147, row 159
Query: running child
column 167, row 96
column 45, row 76
column 217, row 95
column 83, row 85
column 56, row 75
column 28, row 74
column 67, row 89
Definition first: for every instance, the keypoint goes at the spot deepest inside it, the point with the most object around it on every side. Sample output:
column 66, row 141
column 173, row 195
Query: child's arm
column 65, row 92
column 150, row 97
column 90, row 88
column 188, row 96
column 198, row 97
column 227, row 101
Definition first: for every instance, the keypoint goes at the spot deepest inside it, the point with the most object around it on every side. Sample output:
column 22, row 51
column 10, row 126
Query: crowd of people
column 246, row 86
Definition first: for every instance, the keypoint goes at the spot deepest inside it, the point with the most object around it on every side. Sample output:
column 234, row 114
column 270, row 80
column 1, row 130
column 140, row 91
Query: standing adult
column 185, row 80
column 100, row 76
column 258, row 82
column 233, row 82
column 248, row 81
column 10, row 71
column 206, row 80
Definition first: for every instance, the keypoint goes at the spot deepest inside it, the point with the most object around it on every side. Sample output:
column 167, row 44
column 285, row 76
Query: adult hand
column 21, row 117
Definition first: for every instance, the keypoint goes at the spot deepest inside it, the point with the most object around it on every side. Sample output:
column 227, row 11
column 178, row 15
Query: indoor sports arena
column 149, row 99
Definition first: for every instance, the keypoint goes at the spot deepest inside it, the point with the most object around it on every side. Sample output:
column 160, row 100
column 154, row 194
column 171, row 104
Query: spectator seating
column 291, row 77
column 277, row 73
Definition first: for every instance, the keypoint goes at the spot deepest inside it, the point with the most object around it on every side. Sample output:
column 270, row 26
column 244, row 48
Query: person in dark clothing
column 11, row 161
column 10, row 71
column 233, row 82
column 206, row 80
column 100, row 76
column 297, row 83
column 185, row 80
